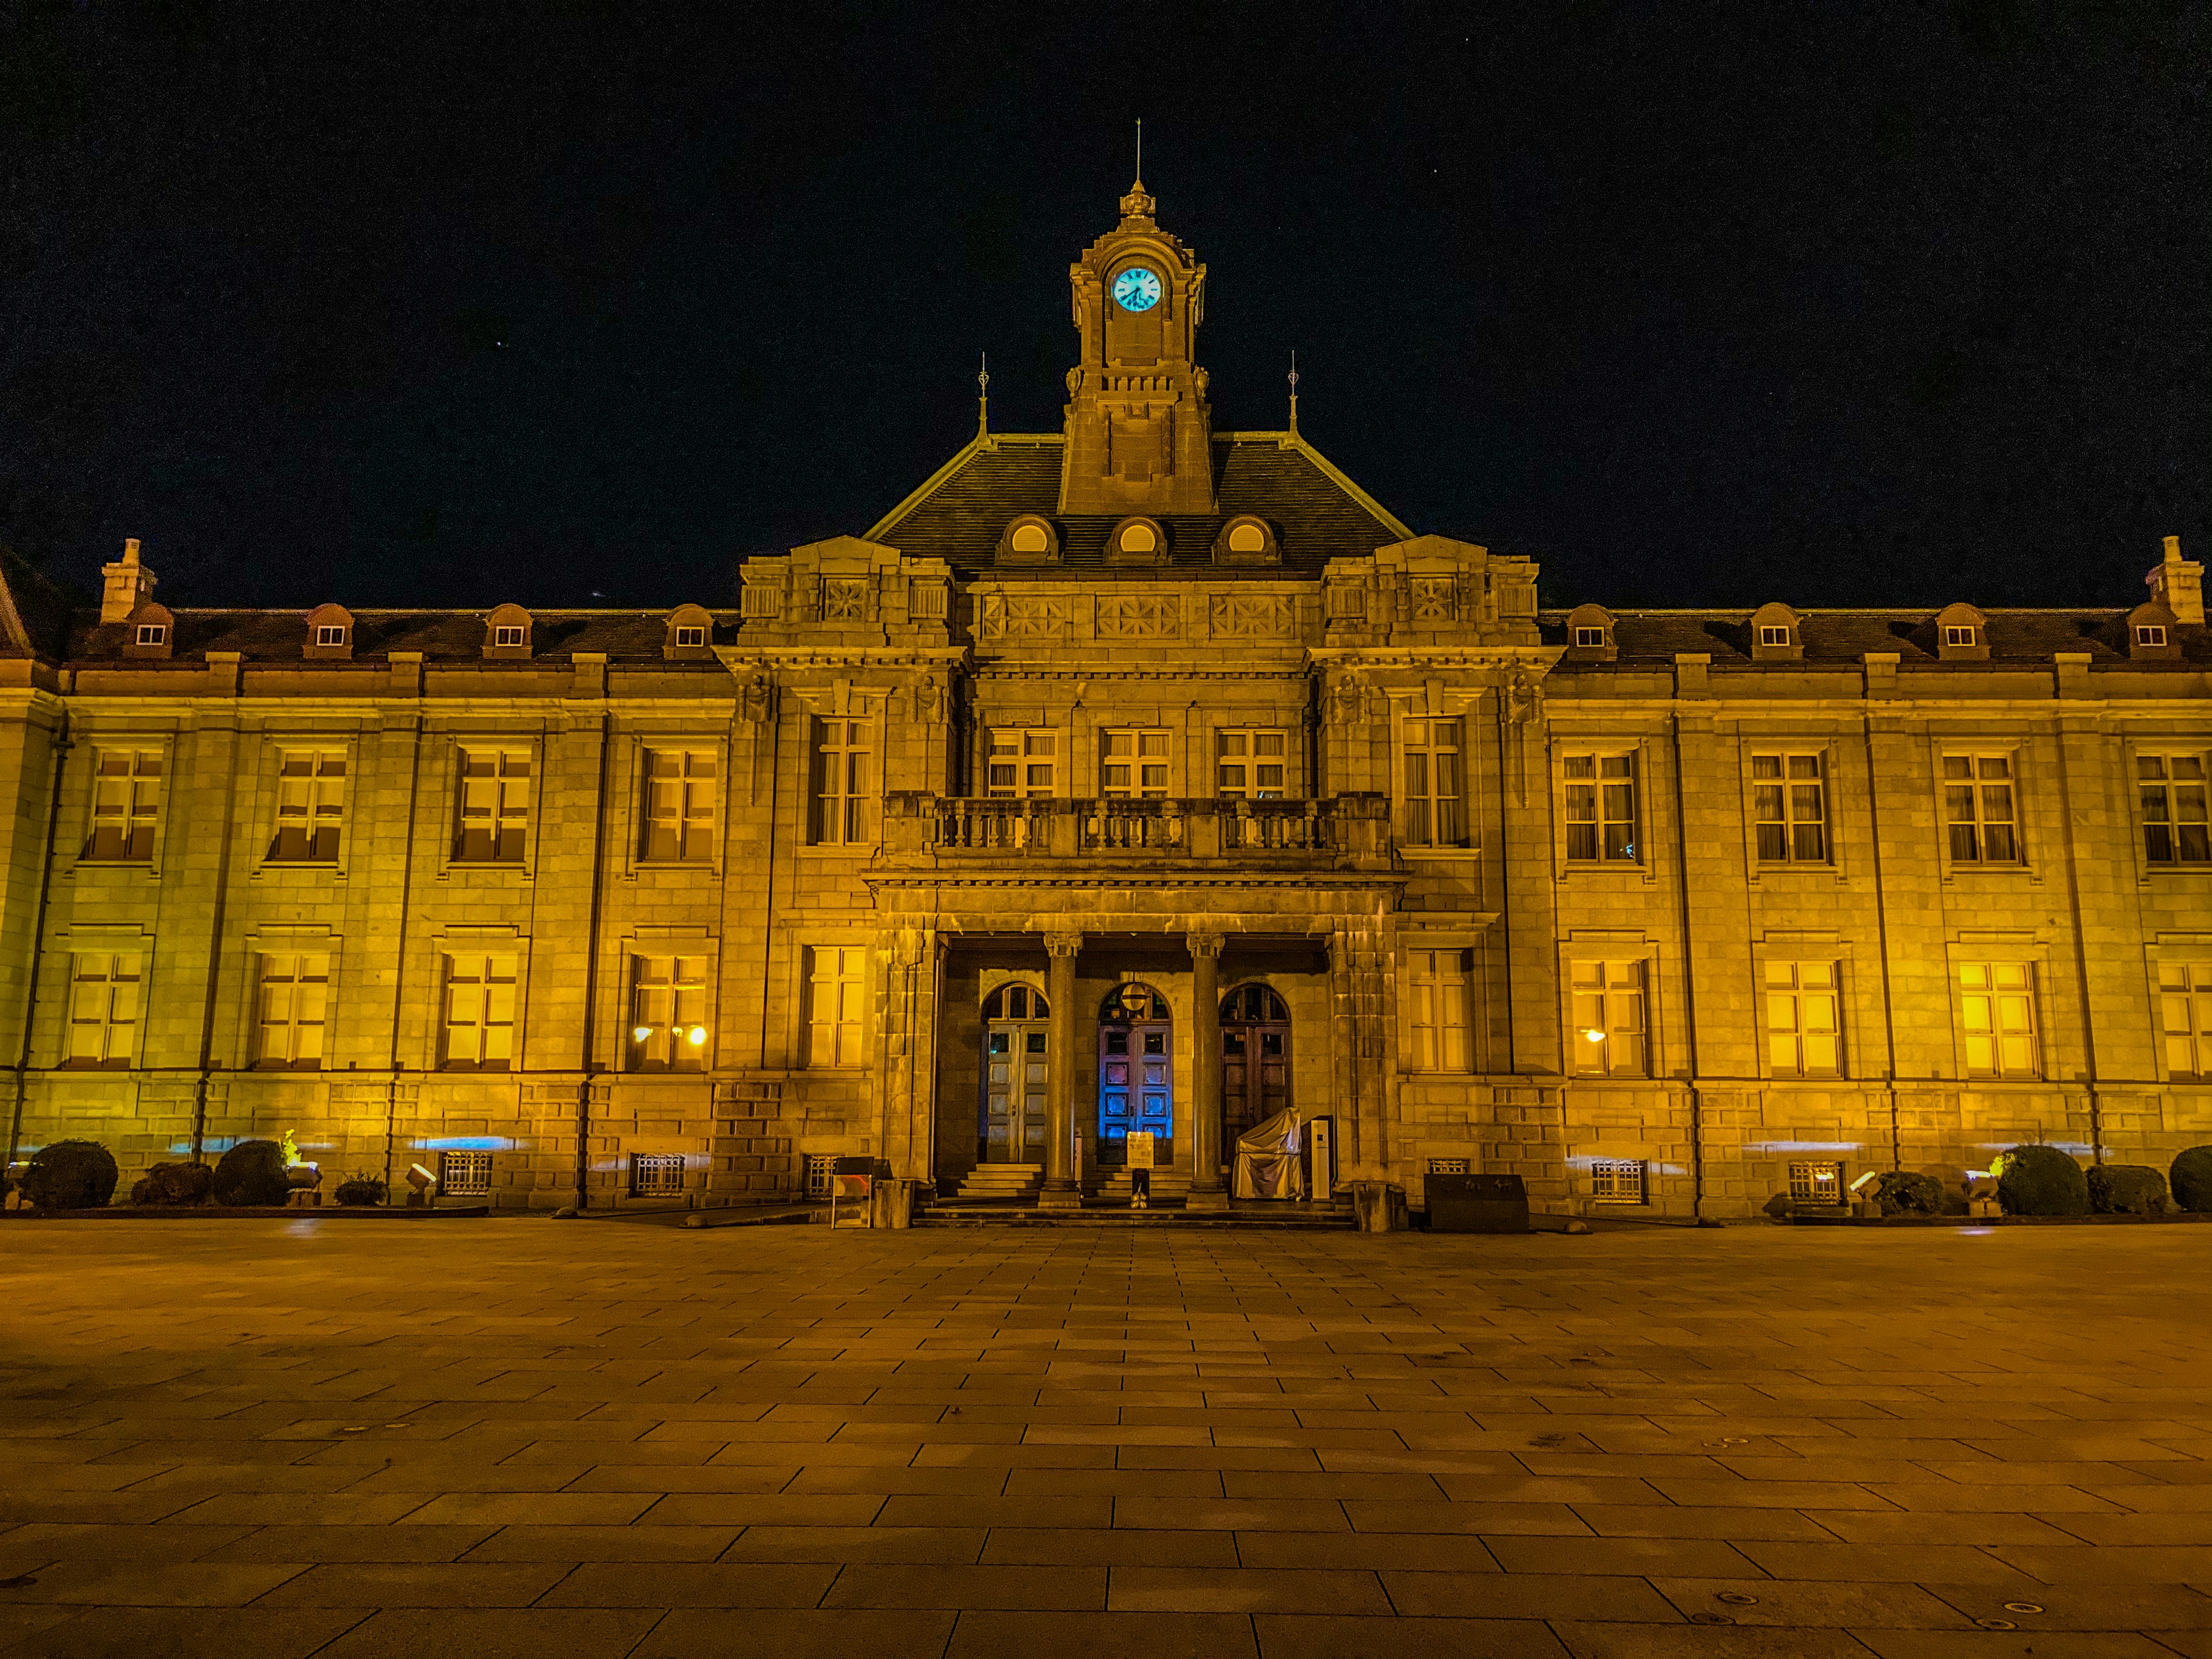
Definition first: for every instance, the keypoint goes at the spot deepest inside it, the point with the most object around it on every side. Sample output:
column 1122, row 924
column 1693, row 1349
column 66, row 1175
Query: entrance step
column 1167, row 1185
column 1002, row 1181
column 1264, row 1214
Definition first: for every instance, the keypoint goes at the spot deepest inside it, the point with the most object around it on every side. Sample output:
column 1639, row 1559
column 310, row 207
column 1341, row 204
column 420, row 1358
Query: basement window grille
column 1619, row 1180
column 465, row 1175
column 1448, row 1166
column 818, row 1166
column 656, row 1175
column 1816, row 1183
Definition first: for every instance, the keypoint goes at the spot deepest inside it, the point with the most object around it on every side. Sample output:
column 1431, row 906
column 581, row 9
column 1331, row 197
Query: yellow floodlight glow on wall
column 643, row 1033
column 697, row 1035
column 1593, row 1035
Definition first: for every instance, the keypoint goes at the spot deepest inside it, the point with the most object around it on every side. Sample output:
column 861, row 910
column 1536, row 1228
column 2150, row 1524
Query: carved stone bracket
column 1204, row 944
column 1063, row 944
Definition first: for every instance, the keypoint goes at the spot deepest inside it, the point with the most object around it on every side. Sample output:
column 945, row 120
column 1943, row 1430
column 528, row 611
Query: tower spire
column 1138, row 203
column 1294, row 392
column 983, row 397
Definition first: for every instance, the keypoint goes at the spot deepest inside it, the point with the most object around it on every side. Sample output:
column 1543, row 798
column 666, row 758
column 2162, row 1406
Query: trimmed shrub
column 71, row 1175
column 2192, row 1179
column 361, row 1189
column 252, row 1172
column 2040, row 1180
column 173, row 1183
column 2126, row 1189
column 1902, row 1191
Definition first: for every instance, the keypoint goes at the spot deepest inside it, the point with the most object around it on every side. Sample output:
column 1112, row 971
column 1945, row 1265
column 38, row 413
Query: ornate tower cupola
column 1140, row 434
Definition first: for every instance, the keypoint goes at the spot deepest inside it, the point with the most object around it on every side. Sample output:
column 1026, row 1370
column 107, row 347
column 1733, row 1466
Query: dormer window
column 1590, row 639
column 1777, row 637
column 1139, row 538
column 331, row 633
column 158, row 634
column 690, row 637
column 2145, row 633
column 1960, row 639
column 1030, row 538
column 1137, row 541
column 508, row 637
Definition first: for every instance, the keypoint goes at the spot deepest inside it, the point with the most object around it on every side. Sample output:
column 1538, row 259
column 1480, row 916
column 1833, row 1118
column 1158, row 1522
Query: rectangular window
column 1801, row 1035
column 679, row 804
column 310, row 806
column 1590, row 639
column 494, row 817
column 1435, row 810
column 156, row 633
column 1618, row 1180
column 126, row 804
column 1957, row 634
column 288, row 1015
column 843, row 799
column 2172, row 787
column 1448, row 1166
column 819, row 1166
column 668, row 1013
column 507, row 637
column 2146, row 633
column 2184, row 1002
column 689, row 638
column 1997, row 1011
column 1601, row 807
column 1437, row 980
column 465, row 1175
column 103, row 1008
column 479, row 1014
column 330, row 634
column 836, row 1027
column 1977, row 803
column 1251, row 764
column 1774, row 635
column 1789, row 805
column 1816, row 1183
column 1132, row 765
column 1023, row 764
column 1608, row 1039
column 656, row 1175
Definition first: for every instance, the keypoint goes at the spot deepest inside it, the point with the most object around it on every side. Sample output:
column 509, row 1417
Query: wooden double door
column 1017, row 1039
column 1255, row 1060
column 1136, row 1073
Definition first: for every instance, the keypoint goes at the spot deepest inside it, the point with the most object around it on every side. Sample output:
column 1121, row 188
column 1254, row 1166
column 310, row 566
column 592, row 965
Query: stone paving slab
column 288, row 1439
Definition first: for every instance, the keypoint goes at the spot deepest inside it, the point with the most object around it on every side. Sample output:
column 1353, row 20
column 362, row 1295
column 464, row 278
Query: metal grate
column 1448, row 1166
column 1816, row 1183
column 819, row 1165
column 465, row 1175
column 1619, row 1180
column 656, row 1175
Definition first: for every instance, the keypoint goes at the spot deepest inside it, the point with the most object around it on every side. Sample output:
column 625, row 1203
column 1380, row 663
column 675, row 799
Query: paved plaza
column 617, row 1441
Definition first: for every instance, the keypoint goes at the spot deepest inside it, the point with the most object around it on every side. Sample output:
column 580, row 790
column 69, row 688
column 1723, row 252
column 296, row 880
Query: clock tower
column 1139, row 434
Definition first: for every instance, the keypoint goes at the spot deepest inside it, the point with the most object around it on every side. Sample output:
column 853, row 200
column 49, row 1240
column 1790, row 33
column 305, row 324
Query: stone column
column 1063, row 1189
column 1207, row 1192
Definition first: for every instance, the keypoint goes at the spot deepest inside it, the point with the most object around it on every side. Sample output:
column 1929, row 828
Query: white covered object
column 1270, row 1163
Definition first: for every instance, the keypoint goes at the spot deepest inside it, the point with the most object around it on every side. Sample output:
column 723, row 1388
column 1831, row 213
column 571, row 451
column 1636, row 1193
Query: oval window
column 1140, row 538
column 1029, row 538
column 1247, row 538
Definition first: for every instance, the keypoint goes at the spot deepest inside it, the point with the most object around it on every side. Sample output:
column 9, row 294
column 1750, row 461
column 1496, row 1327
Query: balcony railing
column 1351, row 827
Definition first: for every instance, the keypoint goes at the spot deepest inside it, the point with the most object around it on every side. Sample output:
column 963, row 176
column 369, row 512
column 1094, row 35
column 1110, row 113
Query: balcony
column 1345, row 832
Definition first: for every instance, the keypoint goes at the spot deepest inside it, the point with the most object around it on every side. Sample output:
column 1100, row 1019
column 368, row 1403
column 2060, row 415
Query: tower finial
column 1139, row 203
column 1294, row 392
column 1140, row 149
column 983, row 397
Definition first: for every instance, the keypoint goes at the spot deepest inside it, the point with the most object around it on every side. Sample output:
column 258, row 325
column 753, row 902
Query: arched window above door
column 1249, row 1003
column 1126, row 1005
column 1016, row 1001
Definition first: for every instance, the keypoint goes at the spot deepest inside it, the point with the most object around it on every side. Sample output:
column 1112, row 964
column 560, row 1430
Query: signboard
column 1140, row 1149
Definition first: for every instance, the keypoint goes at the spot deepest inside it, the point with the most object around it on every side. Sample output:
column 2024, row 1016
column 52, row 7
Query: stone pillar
column 1207, row 1192
column 1063, row 1189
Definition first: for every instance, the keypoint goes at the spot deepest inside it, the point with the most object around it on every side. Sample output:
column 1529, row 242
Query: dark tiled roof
column 1842, row 637
column 1317, row 514
column 440, row 636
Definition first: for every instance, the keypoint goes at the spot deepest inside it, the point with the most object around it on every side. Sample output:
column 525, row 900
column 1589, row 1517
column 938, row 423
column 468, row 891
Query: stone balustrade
column 1347, row 829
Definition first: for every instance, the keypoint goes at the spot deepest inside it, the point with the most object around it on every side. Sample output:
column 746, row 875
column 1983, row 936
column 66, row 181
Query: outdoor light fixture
column 1593, row 1034
column 643, row 1033
column 697, row 1035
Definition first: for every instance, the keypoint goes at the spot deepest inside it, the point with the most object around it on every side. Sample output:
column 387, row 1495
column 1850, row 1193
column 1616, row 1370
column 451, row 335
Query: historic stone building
column 1135, row 776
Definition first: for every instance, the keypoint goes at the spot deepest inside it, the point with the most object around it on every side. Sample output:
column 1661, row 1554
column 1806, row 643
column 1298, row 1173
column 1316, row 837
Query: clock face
column 1136, row 290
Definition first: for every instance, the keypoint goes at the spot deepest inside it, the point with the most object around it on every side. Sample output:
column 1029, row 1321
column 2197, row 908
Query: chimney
column 130, row 585
column 2178, row 583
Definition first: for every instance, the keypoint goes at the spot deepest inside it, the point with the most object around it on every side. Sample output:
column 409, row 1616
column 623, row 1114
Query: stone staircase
column 1169, row 1186
column 986, row 1183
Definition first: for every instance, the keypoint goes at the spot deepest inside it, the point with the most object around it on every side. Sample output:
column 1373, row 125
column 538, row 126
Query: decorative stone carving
column 1203, row 943
column 844, row 598
column 929, row 699
column 1141, row 617
column 1524, row 698
column 1006, row 616
column 1347, row 701
column 756, row 696
column 1435, row 598
column 1062, row 944
column 1252, row 616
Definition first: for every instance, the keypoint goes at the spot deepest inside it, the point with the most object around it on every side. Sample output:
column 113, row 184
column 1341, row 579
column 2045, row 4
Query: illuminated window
column 819, row 1169
column 1955, row 636
column 465, row 1175
column 330, row 634
column 156, row 633
column 1997, row 1011
column 478, row 1024
column 842, row 797
column 1771, row 634
column 2184, row 1001
column 1134, row 765
column 1250, row 764
column 1618, row 1180
column 103, row 1018
column 127, row 803
column 1601, row 807
column 1437, row 983
column 2171, row 789
column 1434, row 814
column 679, row 804
column 2146, row 633
column 310, row 806
column 836, row 1027
column 1977, row 803
column 289, row 1010
column 494, row 817
column 1816, row 1183
column 656, row 1175
column 1022, row 764
column 1801, row 1035
column 690, row 637
column 668, row 1014
column 1608, row 1037
column 507, row 637
column 1590, row 638
column 1789, row 806
column 1448, row 1166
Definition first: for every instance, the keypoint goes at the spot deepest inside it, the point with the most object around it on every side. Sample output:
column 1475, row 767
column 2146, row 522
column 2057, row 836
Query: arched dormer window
column 150, row 632
column 691, row 635
column 1029, row 540
column 2153, row 634
column 330, row 634
column 1775, row 636
column 1247, row 540
column 1962, row 633
column 506, row 635
column 1137, row 541
column 1589, row 634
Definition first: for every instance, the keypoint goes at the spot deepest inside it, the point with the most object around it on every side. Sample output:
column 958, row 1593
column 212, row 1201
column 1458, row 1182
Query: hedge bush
column 2192, row 1179
column 252, row 1172
column 1902, row 1191
column 2126, row 1189
column 2040, row 1180
column 173, row 1183
column 361, row 1189
column 71, row 1175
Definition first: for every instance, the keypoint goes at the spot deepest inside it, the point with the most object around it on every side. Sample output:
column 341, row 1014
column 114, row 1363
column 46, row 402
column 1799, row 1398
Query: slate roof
column 1844, row 636
column 1317, row 513
column 440, row 636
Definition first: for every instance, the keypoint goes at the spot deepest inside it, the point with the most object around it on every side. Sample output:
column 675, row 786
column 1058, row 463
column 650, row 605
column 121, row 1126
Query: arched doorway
column 1255, row 1060
column 1016, row 1041
column 1136, row 1072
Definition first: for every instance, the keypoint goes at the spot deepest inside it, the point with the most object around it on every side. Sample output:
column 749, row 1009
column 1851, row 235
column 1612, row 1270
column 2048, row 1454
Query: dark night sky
column 1880, row 304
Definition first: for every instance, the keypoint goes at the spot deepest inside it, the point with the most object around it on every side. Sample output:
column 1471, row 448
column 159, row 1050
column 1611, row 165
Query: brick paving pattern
column 289, row 1438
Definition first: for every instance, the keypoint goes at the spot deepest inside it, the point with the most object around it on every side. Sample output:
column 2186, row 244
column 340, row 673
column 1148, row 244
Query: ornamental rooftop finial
column 1138, row 203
